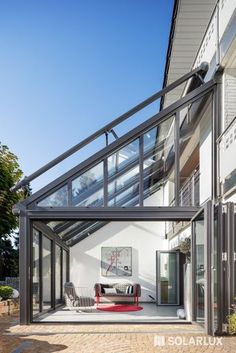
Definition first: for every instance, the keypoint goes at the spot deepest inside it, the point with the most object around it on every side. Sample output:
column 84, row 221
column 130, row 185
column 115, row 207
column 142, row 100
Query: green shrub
column 232, row 324
column 185, row 248
column 6, row 292
column 232, row 320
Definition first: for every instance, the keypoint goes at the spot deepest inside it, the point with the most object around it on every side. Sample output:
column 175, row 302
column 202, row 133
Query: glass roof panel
column 70, row 227
column 87, row 189
column 123, row 157
column 129, row 196
column 90, row 228
column 57, row 199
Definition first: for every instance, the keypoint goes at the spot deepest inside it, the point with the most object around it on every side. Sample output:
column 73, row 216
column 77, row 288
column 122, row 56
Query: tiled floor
column 150, row 313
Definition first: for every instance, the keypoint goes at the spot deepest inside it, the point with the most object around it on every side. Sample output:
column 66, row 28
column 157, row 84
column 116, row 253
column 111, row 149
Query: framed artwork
column 116, row 261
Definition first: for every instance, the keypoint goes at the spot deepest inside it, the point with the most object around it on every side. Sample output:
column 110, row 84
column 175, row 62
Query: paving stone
column 102, row 338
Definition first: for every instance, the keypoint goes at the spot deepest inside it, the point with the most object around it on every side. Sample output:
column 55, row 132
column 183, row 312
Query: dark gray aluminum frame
column 114, row 213
column 206, row 212
column 30, row 216
column 29, row 211
column 45, row 231
column 219, row 223
column 201, row 70
column 31, row 202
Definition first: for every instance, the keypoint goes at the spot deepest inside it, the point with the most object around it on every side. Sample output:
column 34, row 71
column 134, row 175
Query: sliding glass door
column 199, row 268
column 36, row 272
column 46, row 273
column 49, row 272
column 167, row 278
column 204, row 262
column 58, row 274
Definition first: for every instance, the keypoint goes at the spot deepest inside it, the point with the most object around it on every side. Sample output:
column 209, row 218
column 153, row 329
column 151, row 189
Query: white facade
column 145, row 238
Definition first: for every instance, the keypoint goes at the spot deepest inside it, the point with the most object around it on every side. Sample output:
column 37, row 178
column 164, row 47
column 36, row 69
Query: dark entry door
column 167, row 278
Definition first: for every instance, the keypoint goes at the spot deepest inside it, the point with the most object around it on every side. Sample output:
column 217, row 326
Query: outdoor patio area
column 101, row 338
column 150, row 313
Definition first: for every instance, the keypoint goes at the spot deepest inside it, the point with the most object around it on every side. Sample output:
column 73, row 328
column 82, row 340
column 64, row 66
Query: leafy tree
column 10, row 174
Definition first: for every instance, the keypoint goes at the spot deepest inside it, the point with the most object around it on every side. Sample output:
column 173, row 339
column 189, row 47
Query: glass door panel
column 58, row 277
column 64, row 268
column 200, row 272
column 167, row 278
column 46, row 273
column 36, row 273
column 199, row 267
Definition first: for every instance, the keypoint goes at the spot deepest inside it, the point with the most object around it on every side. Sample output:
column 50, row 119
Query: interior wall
column 144, row 238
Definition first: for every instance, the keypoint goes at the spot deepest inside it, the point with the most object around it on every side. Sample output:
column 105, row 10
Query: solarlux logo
column 187, row 341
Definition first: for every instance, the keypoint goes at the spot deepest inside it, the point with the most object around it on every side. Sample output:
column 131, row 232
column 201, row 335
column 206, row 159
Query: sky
column 68, row 67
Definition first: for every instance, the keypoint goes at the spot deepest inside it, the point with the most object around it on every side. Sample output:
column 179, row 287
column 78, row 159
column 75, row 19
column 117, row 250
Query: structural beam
column 115, row 213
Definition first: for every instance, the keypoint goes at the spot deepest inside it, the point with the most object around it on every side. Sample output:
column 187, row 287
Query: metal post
column 105, row 183
column 24, row 267
column 106, row 137
column 216, row 129
column 177, row 157
column 141, row 181
column 53, row 273
column 207, row 255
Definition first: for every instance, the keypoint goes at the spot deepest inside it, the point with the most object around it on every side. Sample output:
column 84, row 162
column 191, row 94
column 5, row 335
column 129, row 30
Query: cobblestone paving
column 104, row 338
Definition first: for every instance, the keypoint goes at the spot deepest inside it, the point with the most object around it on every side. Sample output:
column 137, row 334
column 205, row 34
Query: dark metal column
column 24, row 257
column 105, row 183
column 216, row 130
column 141, row 181
column 177, row 156
column 208, row 219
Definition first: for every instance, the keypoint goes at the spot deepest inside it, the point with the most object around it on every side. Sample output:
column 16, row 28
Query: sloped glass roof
column 115, row 181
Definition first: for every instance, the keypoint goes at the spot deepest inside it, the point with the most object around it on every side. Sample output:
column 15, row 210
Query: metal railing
column 188, row 196
column 189, row 193
column 226, row 145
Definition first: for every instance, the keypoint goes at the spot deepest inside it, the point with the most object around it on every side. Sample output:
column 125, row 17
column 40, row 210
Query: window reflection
column 58, row 278
column 36, row 273
column 87, row 189
column 47, row 273
column 58, row 199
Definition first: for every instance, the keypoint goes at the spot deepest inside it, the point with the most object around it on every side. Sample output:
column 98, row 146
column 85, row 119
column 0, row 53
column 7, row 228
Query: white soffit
column 191, row 23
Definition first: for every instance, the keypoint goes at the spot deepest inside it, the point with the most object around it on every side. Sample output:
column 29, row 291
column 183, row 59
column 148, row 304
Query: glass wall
column 58, row 274
column 64, row 268
column 168, row 278
column 200, row 268
column 48, row 276
column 36, row 272
column 159, row 164
column 47, row 273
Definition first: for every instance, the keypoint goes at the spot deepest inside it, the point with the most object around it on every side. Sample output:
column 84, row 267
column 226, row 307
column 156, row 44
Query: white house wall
column 144, row 238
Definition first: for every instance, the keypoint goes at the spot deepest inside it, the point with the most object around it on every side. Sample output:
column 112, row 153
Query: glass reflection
column 87, row 189
column 58, row 199
column 47, row 273
column 36, row 273
column 58, row 278
column 123, row 157
column 200, row 271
